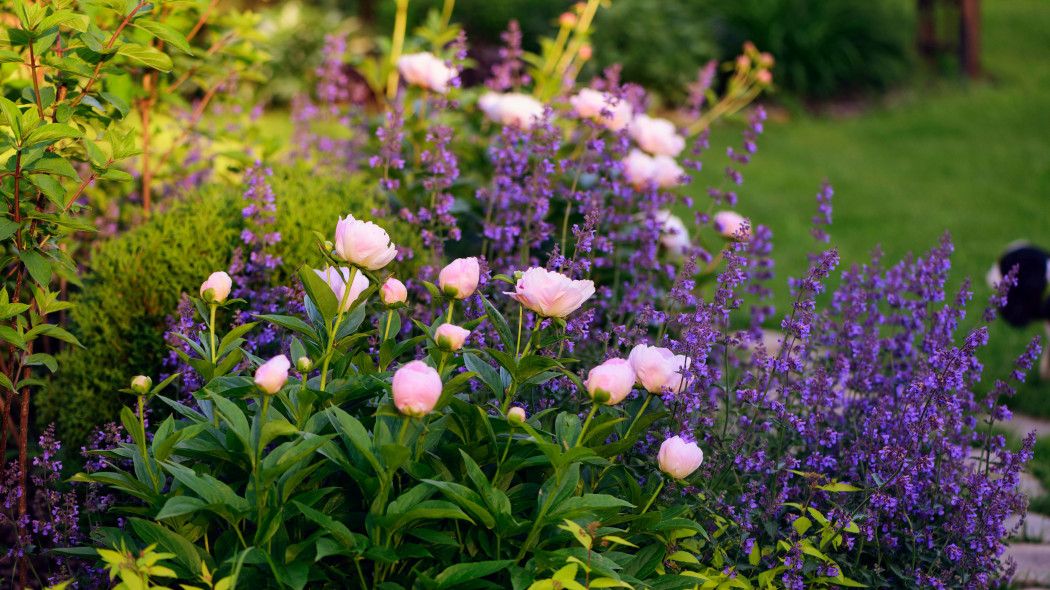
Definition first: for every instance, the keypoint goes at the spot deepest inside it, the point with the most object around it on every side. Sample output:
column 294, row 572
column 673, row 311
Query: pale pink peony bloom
column 271, row 375
column 363, row 243
column 615, row 377
column 658, row 369
column 451, row 337
column 460, row 277
column 673, row 234
column 393, row 292
column 417, row 388
column 516, row 415
column 551, row 294
column 643, row 170
column 515, row 109
column 589, row 104
column 337, row 279
column 220, row 285
column 728, row 223
column 678, row 458
column 656, row 136
column 426, row 70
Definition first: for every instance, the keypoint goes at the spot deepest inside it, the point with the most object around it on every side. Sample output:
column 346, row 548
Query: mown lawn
column 973, row 159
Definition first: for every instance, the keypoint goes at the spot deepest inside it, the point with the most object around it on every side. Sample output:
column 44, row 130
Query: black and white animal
column 1029, row 300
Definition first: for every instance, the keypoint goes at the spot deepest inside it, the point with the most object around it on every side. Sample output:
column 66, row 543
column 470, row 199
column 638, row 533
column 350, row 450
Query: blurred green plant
column 824, row 48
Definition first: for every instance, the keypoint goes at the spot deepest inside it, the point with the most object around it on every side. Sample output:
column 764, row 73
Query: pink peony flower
column 451, row 337
column 271, row 375
column 656, row 136
column 220, row 284
column 673, row 234
column 658, row 369
column 363, row 243
column 643, row 170
column 589, row 104
column 460, row 278
column 615, row 377
column 337, row 279
column 551, row 294
column 519, row 110
column 678, row 458
column 426, row 70
column 417, row 388
column 729, row 223
column 393, row 293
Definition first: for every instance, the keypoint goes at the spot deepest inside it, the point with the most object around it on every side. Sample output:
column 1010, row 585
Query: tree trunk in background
column 970, row 37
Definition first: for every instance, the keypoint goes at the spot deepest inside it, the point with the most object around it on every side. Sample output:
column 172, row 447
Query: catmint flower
column 217, row 288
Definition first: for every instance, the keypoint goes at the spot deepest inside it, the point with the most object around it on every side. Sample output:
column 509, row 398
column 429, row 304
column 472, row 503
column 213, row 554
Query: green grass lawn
column 973, row 159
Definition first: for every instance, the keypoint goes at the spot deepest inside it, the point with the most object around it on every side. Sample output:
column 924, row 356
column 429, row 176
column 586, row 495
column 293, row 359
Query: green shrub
column 135, row 281
column 660, row 45
column 824, row 48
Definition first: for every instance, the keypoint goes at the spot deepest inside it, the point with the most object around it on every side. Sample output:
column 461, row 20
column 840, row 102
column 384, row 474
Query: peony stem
column 586, row 423
column 655, row 494
column 330, row 349
column 211, row 330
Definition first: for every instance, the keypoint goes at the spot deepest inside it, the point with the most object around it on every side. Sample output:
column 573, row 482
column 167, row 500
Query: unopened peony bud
column 516, row 415
column 304, row 365
column 393, row 293
column 731, row 225
column 459, row 279
column 678, row 458
column 764, row 77
column 450, row 337
column 141, row 384
column 766, row 60
column 270, row 376
column 610, row 382
column 743, row 62
column 217, row 288
column 567, row 20
column 416, row 389
column 586, row 52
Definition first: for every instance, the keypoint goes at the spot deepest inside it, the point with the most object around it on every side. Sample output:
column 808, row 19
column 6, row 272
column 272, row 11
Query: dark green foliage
column 660, row 45
column 484, row 20
column 135, row 281
column 824, row 48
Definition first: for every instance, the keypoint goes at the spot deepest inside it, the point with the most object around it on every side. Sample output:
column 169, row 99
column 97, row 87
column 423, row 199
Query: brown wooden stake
column 970, row 37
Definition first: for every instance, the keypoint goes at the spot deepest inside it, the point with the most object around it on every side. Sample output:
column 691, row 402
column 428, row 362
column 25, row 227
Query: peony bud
column 766, row 60
column 363, row 243
column 731, row 225
column 516, row 415
column 673, row 234
column 272, row 374
column 460, row 278
column 678, row 458
column 586, row 52
column 450, row 337
column 393, row 293
column 304, row 365
column 417, row 388
column 337, row 279
column 658, row 369
column 141, row 384
column 615, row 378
column 764, row 77
column 567, row 20
column 743, row 62
column 217, row 288
column 551, row 294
